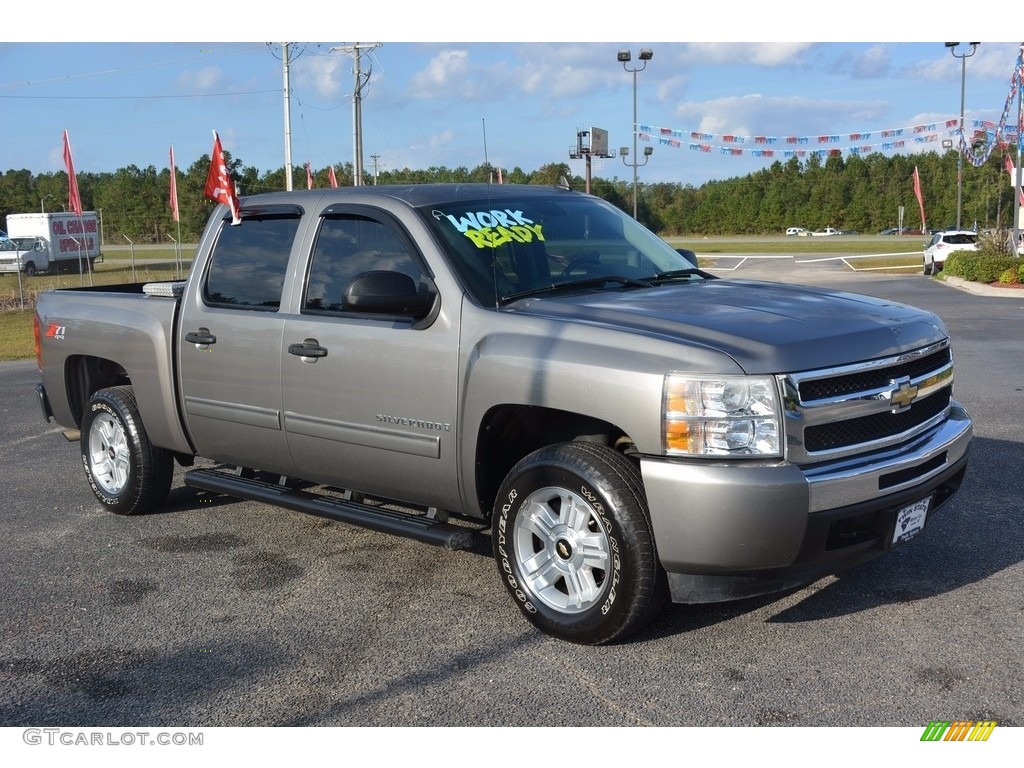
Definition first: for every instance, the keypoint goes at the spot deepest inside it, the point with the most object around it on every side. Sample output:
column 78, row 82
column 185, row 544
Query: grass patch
column 864, row 245
column 16, row 336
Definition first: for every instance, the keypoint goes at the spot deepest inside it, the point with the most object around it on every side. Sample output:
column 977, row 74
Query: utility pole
column 287, row 121
column 376, row 167
column 356, row 50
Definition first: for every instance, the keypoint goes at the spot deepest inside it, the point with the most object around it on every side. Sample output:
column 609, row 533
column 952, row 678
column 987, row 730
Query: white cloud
column 759, row 54
column 874, row 62
column 205, row 80
column 446, row 73
column 757, row 115
column 328, row 76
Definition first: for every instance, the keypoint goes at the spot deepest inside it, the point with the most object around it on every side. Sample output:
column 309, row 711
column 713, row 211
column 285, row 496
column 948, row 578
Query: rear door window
column 248, row 264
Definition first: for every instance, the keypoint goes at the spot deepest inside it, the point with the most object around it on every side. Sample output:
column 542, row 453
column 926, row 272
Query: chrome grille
column 837, row 386
column 853, row 409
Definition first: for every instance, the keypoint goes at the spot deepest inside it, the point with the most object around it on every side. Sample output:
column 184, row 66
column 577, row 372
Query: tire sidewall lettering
column 613, row 544
column 592, row 496
column 96, row 409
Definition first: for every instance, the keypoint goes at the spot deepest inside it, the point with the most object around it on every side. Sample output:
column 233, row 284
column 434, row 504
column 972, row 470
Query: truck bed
column 109, row 334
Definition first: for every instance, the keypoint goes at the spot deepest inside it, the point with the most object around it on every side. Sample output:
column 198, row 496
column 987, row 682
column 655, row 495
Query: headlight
column 721, row 416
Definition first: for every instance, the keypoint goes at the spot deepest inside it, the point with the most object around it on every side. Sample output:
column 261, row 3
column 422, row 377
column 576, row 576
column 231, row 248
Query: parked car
column 944, row 243
column 3, row 236
column 795, row 231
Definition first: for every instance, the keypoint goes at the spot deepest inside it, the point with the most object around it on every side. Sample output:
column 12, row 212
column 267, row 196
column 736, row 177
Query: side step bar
column 424, row 529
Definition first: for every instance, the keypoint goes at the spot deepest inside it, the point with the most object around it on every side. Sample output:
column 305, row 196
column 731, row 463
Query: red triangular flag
column 174, row 188
column 219, row 184
column 333, row 178
column 309, row 177
column 920, row 198
column 74, row 200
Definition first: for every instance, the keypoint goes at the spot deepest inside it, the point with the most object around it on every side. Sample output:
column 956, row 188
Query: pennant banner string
column 976, row 141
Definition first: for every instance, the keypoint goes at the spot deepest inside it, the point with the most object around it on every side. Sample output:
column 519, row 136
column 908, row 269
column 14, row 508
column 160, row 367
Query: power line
column 162, row 96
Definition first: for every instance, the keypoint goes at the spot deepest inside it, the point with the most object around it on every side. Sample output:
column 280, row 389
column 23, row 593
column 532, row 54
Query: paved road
column 214, row 612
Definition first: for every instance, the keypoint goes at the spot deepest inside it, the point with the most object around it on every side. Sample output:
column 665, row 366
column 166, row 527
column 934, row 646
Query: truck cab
column 27, row 254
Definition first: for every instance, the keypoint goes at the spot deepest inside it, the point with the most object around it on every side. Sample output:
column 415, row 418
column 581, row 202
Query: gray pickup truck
column 444, row 361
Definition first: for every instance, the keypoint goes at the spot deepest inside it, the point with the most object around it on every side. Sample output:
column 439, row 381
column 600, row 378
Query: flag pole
column 1017, row 187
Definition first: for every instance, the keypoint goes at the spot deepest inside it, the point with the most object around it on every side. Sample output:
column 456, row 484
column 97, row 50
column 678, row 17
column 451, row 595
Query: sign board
column 599, row 142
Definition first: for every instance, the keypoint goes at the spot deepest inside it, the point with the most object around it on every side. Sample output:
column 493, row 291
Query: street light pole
column 645, row 55
column 963, row 142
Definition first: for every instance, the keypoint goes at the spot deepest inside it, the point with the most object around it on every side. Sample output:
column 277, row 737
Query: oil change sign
column 490, row 229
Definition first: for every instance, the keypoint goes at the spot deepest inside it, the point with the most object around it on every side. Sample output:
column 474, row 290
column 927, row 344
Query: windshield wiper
column 675, row 274
column 583, row 282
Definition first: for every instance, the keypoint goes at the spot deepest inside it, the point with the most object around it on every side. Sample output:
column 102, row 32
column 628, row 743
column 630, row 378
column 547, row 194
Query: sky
column 436, row 96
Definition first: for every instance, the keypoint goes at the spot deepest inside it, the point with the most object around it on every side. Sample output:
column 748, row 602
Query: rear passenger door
column 375, row 412
column 229, row 345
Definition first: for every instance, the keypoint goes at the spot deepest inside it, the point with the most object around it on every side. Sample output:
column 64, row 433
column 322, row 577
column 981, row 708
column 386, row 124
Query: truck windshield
column 19, row 244
column 507, row 247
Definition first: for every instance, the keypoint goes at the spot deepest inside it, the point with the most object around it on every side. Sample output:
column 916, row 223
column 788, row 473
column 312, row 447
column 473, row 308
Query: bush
column 1010, row 276
column 979, row 266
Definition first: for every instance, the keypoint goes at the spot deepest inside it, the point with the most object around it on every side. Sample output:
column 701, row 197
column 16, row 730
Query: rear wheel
column 126, row 472
column 929, row 267
column 574, row 546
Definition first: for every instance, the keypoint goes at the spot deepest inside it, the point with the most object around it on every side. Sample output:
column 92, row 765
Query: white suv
column 944, row 243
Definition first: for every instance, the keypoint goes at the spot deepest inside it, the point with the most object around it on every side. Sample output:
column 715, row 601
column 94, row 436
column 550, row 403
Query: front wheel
column 30, row 269
column 574, row 546
column 126, row 472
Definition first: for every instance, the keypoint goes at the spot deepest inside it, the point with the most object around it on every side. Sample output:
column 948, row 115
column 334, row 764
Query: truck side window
column 249, row 262
column 347, row 246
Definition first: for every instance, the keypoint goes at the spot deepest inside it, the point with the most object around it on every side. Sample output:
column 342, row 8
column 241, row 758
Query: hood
column 765, row 327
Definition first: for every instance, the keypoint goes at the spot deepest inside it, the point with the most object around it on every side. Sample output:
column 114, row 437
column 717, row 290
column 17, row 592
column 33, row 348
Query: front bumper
column 729, row 530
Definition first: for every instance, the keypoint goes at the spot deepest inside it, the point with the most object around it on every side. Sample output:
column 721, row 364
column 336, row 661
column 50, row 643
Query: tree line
column 860, row 193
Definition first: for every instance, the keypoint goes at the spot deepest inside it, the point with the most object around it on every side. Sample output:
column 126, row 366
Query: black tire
column 30, row 269
column 573, row 543
column 929, row 269
column 128, row 474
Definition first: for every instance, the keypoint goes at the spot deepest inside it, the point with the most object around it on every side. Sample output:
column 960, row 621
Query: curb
column 980, row 289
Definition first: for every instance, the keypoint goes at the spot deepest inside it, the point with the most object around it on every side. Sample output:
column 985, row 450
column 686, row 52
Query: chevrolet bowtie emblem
column 902, row 395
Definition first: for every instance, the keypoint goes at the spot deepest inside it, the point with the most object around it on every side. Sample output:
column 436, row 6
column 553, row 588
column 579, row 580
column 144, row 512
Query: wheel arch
column 509, row 432
column 85, row 375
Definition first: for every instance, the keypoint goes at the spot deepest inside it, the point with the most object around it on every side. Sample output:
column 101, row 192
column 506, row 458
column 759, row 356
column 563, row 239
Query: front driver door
column 375, row 411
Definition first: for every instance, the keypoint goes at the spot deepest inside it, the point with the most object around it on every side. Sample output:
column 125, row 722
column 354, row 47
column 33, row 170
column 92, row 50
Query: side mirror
column 386, row 293
column 687, row 254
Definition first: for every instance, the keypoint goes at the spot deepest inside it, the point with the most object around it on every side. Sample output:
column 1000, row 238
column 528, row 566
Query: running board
column 428, row 530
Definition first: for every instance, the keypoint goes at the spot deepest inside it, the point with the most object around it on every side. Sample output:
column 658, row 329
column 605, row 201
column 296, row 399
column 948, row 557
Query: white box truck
column 43, row 242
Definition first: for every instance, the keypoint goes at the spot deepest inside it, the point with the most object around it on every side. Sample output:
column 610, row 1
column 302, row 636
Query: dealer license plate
column 910, row 520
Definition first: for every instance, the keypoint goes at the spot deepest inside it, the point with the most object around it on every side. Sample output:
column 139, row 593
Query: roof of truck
column 413, row 194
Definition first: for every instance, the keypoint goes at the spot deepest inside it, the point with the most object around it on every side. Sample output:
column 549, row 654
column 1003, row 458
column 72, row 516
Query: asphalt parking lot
column 225, row 613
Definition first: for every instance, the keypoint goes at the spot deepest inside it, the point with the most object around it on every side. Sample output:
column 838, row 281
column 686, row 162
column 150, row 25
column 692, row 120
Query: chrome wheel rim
column 109, row 455
column 562, row 549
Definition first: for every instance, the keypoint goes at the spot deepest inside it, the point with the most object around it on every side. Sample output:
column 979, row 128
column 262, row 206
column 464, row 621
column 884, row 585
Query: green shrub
column 1010, row 276
column 979, row 266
